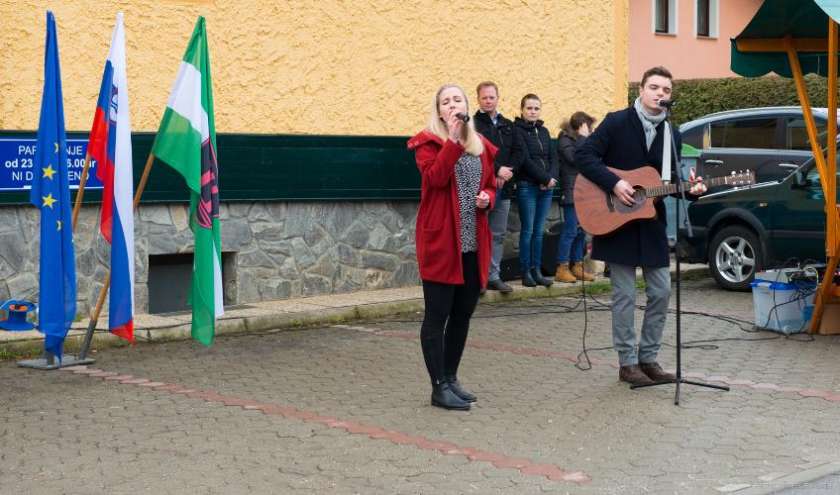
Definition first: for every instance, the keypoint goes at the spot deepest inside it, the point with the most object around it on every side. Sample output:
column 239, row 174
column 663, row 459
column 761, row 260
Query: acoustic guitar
column 600, row 213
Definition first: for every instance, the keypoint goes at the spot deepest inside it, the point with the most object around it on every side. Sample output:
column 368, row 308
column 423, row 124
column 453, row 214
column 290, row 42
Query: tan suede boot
column 579, row 274
column 564, row 275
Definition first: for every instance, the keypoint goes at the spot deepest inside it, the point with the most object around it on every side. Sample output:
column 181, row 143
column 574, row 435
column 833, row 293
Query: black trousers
column 446, row 322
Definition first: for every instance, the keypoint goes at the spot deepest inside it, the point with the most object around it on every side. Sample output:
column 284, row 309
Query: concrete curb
column 295, row 320
column 281, row 321
column 302, row 319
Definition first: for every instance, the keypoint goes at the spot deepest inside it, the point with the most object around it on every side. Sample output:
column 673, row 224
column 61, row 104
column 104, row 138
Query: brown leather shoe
column 656, row 373
column 633, row 375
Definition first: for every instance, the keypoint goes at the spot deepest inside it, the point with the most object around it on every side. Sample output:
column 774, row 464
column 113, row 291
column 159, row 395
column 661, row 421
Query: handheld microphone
column 667, row 103
column 462, row 117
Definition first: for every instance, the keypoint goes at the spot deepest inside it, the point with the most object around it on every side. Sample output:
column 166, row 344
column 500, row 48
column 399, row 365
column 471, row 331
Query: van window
column 796, row 135
column 694, row 136
column 744, row 133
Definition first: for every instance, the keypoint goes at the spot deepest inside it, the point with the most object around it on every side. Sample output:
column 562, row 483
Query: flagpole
column 100, row 300
column 144, row 179
column 81, row 192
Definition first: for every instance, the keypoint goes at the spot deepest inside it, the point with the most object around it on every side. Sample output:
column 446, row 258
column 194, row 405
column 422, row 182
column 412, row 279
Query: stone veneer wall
column 282, row 249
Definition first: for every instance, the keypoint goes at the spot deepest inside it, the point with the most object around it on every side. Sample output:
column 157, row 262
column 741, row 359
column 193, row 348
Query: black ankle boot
column 528, row 280
column 460, row 391
column 443, row 396
column 538, row 278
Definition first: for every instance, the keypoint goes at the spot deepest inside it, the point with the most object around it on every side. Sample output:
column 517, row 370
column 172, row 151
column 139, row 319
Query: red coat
column 438, row 230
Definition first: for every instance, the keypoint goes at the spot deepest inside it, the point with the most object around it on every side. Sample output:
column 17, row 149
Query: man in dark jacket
column 499, row 131
column 626, row 140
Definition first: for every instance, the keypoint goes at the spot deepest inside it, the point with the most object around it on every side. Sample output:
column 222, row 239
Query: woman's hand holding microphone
column 455, row 126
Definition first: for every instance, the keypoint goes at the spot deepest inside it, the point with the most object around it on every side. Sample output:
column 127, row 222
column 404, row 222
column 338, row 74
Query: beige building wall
column 362, row 67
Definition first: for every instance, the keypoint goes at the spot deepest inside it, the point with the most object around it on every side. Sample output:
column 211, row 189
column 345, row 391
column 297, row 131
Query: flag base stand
column 49, row 362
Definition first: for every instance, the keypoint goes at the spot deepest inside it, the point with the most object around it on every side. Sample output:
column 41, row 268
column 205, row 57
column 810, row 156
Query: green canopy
column 805, row 21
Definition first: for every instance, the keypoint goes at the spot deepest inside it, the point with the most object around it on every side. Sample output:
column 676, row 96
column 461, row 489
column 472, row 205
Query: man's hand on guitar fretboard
column 697, row 187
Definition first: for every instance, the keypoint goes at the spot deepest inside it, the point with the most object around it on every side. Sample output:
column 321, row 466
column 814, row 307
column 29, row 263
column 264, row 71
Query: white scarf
column 649, row 123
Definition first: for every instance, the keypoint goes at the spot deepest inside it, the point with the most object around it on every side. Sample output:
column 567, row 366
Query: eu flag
column 51, row 194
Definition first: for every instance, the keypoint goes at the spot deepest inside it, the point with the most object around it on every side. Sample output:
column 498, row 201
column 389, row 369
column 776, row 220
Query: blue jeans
column 572, row 238
column 534, row 204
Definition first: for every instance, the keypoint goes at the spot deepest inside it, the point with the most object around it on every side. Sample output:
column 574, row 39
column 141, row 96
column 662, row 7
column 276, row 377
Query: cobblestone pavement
column 345, row 409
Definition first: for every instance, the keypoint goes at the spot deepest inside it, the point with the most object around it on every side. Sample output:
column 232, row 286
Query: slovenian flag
column 186, row 141
column 110, row 146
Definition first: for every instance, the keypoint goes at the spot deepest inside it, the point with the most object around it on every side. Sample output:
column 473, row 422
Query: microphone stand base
column 679, row 381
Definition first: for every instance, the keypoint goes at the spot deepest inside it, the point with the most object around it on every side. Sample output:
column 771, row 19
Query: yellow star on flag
column 48, row 200
column 49, row 172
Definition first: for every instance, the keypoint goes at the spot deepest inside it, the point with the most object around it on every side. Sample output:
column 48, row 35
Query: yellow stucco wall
column 323, row 66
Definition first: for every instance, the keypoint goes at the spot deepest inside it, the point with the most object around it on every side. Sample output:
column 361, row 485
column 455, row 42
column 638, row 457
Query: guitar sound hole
column 639, row 198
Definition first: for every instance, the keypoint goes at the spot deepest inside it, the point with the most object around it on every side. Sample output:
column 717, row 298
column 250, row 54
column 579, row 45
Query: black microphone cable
column 583, row 355
column 579, row 364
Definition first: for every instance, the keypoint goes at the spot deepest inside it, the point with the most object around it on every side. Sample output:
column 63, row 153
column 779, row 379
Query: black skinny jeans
column 446, row 322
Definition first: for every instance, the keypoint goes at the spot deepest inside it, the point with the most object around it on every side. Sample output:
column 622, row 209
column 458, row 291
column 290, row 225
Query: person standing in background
column 499, row 131
column 536, row 176
column 572, row 243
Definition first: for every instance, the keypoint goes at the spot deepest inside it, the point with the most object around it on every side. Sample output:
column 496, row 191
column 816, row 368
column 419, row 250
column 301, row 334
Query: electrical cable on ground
column 584, row 363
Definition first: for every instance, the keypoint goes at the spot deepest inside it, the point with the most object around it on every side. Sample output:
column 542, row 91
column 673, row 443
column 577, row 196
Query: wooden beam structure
column 825, row 301
column 826, row 316
column 830, row 178
column 780, row 45
column 807, row 111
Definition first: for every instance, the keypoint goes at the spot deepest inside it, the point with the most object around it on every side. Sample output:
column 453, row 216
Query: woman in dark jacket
column 535, row 159
column 458, row 188
column 572, row 239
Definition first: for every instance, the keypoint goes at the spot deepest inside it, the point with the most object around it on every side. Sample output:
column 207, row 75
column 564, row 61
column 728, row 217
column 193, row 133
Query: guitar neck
column 667, row 189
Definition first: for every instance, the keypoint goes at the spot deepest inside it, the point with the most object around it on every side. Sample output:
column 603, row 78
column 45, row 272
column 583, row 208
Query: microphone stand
column 681, row 205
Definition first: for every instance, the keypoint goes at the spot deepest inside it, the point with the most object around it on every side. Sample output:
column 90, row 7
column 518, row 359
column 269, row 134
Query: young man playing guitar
column 627, row 140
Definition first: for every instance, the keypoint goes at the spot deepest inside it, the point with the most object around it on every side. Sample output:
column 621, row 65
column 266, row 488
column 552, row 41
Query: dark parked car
column 741, row 231
column 771, row 141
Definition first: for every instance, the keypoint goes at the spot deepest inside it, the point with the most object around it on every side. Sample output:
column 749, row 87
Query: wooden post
column 141, row 186
column 100, row 300
column 830, row 177
column 810, row 124
column 94, row 316
column 80, row 193
column 827, row 166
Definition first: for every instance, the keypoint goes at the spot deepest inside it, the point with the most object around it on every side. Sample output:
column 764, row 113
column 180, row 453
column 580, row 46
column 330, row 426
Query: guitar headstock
column 740, row 178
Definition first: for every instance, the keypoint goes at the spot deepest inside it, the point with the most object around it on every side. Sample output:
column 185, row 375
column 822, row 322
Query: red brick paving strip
column 497, row 460
column 828, row 395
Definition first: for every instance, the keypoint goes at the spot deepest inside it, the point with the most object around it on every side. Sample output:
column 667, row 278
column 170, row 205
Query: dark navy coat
column 533, row 153
column 566, row 145
column 501, row 135
column 619, row 142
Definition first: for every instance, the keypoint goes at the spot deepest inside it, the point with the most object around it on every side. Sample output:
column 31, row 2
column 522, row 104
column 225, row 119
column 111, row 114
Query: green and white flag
column 186, row 141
